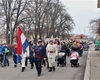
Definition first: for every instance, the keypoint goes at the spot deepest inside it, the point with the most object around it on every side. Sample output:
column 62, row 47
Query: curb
column 87, row 70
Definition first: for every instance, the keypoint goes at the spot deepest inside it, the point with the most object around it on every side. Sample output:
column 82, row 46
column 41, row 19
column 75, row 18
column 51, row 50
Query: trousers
column 38, row 65
column 51, row 60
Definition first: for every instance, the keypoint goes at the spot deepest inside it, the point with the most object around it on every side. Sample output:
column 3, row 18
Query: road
column 61, row 73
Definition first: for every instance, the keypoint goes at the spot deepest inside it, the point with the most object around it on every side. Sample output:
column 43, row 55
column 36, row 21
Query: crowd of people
column 42, row 53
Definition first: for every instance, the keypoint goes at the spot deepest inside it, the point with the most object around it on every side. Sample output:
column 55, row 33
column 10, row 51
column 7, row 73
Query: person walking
column 30, row 55
column 32, row 48
column 51, row 54
column 45, row 62
column 64, row 48
column 80, row 48
column 1, row 53
column 6, row 50
column 69, row 47
column 74, row 47
column 15, row 56
column 14, row 53
column 58, row 47
column 39, row 56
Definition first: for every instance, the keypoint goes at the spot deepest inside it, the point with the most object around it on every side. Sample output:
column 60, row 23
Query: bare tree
column 37, row 18
column 37, row 13
column 95, row 26
column 13, row 11
column 51, row 18
column 58, row 18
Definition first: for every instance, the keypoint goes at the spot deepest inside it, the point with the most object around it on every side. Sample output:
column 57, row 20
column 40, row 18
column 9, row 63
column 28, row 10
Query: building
column 80, row 37
column 2, row 38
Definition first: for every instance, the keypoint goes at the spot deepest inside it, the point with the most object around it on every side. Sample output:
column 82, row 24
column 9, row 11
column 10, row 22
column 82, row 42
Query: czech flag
column 22, row 46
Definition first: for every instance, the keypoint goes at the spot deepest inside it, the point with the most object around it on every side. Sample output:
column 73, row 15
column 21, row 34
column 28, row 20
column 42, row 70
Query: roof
column 81, row 36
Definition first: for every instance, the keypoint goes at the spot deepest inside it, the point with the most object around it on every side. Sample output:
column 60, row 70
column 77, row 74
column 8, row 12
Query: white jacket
column 51, row 50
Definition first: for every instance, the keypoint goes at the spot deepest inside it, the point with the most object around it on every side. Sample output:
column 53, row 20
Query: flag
column 22, row 46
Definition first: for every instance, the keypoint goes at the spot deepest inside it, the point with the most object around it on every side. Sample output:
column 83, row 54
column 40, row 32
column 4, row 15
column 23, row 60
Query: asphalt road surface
column 61, row 73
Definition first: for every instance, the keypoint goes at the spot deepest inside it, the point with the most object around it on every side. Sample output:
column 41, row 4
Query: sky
column 82, row 11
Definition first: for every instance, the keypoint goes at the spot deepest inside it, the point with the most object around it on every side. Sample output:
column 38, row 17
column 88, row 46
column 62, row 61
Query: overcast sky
column 82, row 11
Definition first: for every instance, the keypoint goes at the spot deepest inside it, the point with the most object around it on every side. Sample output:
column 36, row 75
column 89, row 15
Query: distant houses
column 2, row 38
column 80, row 37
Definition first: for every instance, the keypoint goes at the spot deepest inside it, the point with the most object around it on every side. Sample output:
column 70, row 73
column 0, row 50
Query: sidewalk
column 95, row 65
column 92, row 71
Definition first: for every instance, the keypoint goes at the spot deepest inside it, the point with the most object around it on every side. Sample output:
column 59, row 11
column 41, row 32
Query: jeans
column 15, row 59
column 32, row 61
column 1, row 58
column 38, row 65
column 6, row 61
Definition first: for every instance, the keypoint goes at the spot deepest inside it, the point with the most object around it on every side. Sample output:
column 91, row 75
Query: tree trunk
column 12, row 37
column 7, row 35
column 35, row 39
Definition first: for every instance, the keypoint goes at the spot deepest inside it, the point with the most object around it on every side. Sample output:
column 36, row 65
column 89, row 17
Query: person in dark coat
column 32, row 48
column 45, row 62
column 1, row 53
column 39, row 56
column 64, row 48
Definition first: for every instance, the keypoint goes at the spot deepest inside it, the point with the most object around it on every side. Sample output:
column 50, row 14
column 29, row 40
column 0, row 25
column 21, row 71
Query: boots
column 50, row 69
column 47, row 66
column 8, row 62
column 23, row 68
column 20, row 63
column 53, row 68
column 15, row 65
column 31, row 67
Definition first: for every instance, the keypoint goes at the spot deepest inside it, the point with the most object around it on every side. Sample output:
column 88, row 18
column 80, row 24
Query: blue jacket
column 40, row 52
column 1, row 49
column 45, row 54
column 5, row 48
column 31, row 52
column 14, row 52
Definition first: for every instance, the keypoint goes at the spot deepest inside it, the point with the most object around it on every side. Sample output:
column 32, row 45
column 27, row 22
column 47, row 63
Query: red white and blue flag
column 22, row 46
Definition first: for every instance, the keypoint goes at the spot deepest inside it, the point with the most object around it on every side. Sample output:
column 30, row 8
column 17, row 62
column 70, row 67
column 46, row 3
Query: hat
column 39, row 41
